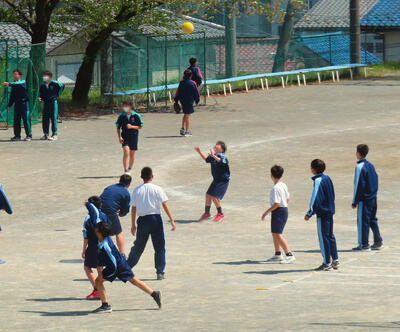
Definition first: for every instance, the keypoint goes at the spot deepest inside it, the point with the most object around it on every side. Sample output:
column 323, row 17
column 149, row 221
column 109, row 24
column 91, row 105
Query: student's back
column 197, row 76
column 366, row 181
column 323, row 199
column 115, row 198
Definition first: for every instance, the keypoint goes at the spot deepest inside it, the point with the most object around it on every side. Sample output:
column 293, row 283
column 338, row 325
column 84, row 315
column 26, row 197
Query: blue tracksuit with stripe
column 49, row 94
column 20, row 99
column 188, row 94
column 365, row 198
column 197, row 75
column 323, row 205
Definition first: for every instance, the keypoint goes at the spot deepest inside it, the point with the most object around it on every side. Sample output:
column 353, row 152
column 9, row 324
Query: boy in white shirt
column 279, row 198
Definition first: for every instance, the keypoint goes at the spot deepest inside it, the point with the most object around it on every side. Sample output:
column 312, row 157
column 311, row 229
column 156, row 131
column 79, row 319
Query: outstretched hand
column 197, row 148
column 306, row 218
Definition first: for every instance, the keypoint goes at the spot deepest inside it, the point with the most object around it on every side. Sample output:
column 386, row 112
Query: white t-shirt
column 279, row 194
column 147, row 198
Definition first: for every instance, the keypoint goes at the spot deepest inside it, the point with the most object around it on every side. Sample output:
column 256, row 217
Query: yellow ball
column 187, row 27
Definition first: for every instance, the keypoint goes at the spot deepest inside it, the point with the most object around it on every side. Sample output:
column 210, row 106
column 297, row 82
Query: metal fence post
column 148, row 74
column 205, row 69
column 166, row 71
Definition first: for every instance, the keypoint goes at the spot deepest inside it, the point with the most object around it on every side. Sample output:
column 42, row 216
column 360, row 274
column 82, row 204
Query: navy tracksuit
column 150, row 225
column 49, row 94
column 188, row 94
column 323, row 205
column 20, row 99
column 365, row 197
column 197, row 76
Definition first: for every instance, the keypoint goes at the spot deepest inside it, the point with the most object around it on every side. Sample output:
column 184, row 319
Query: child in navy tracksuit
column 221, row 176
column 49, row 91
column 6, row 206
column 89, row 252
column 115, row 267
column 323, row 205
column 188, row 94
column 128, row 125
column 365, row 198
column 197, row 76
column 20, row 99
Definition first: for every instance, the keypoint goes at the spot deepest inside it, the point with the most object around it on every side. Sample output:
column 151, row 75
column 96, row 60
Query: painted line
column 349, row 283
column 375, row 267
column 365, row 275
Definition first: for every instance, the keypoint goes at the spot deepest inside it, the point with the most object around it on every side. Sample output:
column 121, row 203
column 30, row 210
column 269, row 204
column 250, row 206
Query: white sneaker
column 188, row 134
column 127, row 172
column 276, row 259
column 28, row 139
column 288, row 260
column 44, row 138
column 52, row 138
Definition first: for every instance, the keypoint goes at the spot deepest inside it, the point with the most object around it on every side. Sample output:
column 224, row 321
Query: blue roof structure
column 386, row 13
column 335, row 48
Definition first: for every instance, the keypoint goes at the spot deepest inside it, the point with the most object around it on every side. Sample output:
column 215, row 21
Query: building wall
column 392, row 46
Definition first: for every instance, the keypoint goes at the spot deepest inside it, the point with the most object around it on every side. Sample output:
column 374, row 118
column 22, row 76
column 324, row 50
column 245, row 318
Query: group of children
column 322, row 204
column 49, row 92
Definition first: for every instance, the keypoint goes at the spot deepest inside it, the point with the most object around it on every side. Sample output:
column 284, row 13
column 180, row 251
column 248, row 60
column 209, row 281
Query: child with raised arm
column 128, row 125
column 279, row 198
column 221, row 176
column 115, row 267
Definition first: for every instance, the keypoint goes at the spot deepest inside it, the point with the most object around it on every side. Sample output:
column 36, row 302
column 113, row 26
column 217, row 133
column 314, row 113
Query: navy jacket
column 197, row 76
column 115, row 197
column 135, row 120
column 323, row 197
column 4, row 203
column 109, row 256
column 94, row 217
column 51, row 92
column 365, row 182
column 219, row 170
column 187, row 93
column 19, row 93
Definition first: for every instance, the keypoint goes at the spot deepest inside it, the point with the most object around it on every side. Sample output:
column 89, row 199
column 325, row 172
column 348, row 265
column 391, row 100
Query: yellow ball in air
column 187, row 27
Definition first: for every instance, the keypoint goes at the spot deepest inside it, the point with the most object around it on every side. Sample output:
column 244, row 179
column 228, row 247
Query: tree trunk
column 80, row 94
column 284, row 38
column 106, row 71
column 230, row 44
column 355, row 34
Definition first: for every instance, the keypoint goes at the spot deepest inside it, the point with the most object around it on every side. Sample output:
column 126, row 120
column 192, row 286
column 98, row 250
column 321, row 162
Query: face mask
column 126, row 109
column 46, row 78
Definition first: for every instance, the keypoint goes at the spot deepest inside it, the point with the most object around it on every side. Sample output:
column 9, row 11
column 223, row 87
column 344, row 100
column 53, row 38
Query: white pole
column 154, row 97
column 365, row 71
column 333, row 76
column 230, row 88
column 304, row 80
column 262, row 83
column 266, row 83
column 298, row 80
column 319, row 78
column 337, row 76
column 208, row 92
column 287, row 80
column 283, row 82
column 247, row 88
column 224, row 90
column 170, row 96
column 351, row 74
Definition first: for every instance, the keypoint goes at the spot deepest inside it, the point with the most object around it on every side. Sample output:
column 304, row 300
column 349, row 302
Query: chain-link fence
column 30, row 59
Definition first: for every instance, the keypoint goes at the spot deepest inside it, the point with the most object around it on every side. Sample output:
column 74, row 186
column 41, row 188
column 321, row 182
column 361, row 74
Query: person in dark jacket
column 187, row 94
column 6, row 206
column 20, row 99
column 197, row 75
column 49, row 91
column 323, row 205
column 365, row 199
column 116, row 201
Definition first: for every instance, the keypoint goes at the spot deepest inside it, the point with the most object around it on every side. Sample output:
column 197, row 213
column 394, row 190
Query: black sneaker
column 324, row 267
column 335, row 265
column 182, row 131
column 160, row 276
column 363, row 248
column 377, row 246
column 103, row 308
column 15, row 138
column 157, row 297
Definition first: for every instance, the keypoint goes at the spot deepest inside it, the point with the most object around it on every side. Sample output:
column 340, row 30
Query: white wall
column 392, row 46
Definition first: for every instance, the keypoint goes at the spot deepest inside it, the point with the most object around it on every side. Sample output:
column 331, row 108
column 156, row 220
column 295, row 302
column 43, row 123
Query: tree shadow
column 246, row 262
column 188, row 221
column 382, row 325
column 97, row 177
column 172, row 136
column 71, row 261
column 272, row 272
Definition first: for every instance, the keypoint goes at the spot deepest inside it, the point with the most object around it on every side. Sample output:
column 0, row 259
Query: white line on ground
column 350, row 283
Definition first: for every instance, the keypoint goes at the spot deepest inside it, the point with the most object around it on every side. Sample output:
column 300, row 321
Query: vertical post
column 112, row 65
column 247, row 88
column 355, row 38
column 230, row 40
column 351, row 74
column 266, row 83
column 330, row 50
column 298, row 80
column 319, row 78
column 304, row 80
column 283, row 82
column 148, row 73
column 258, row 57
column 365, row 49
column 6, row 89
column 262, row 83
column 205, row 70
column 166, row 71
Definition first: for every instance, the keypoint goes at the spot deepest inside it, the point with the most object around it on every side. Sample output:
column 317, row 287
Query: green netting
column 30, row 59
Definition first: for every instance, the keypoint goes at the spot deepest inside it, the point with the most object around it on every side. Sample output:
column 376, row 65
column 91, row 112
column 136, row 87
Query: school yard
column 217, row 275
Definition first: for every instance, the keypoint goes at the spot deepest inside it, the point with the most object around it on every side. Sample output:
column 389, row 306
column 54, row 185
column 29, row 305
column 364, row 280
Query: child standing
column 279, row 198
column 20, row 99
column 115, row 267
column 128, row 125
column 197, row 76
column 323, row 205
column 49, row 91
column 221, row 176
column 6, row 206
column 365, row 198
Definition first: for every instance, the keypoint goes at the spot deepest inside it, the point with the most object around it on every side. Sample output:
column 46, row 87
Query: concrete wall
column 392, row 46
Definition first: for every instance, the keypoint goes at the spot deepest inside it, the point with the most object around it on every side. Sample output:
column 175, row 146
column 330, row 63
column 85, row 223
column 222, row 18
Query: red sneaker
column 219, row 217
column 93, row 296
column 205, row 216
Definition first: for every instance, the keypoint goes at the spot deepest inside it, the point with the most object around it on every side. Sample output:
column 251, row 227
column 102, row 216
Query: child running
column 128, row 125
column 221, row 176
column 279, row 198
column 115, row 267
column 89, row 251
column 323, row 205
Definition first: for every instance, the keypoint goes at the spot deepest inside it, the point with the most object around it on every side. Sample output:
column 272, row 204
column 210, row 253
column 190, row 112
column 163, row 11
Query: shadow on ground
column 277, row 271
column 97, row 177
column 380, row 325
column 240, row 262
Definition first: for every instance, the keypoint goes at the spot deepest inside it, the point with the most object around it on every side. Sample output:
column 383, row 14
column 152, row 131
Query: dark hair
column 127, row 103
column 187, row 74
column 192, row 61
column 125, row 179
column 95, row 200
column 276, row 171
column 363, row 150
column 146, row 173
column 318, row 165
column 103, row 228
column 222, row 145
column 16, row 70
column 47, row 73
